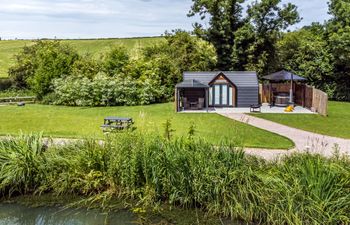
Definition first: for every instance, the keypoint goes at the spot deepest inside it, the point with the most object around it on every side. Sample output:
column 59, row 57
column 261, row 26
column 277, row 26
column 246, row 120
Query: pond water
column 16, row 214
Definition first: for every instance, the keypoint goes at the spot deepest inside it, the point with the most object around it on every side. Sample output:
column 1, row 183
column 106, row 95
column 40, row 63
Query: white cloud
column 54, row 8
column 110, row 18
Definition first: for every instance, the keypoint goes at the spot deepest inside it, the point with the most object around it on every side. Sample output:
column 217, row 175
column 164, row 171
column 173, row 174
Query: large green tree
column 338, row 30
column 255, row 44
column 167, row 61
column 305, row 52
column 115, row 60
column 38, row 64
column 225, row 18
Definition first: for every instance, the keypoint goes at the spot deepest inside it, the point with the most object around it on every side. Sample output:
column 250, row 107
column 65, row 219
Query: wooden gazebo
column 279, row 97
column 191, row 94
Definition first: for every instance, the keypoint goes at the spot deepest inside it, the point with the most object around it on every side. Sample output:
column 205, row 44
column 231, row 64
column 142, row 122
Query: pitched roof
column 191, row 83
column 239, row 78
column 283, row 75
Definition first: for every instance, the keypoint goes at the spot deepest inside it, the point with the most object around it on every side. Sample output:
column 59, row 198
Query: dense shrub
column 87, row 66
column 115, row 60
column 24, row 66
column 160, row 69
column 185, row 172
column 21, row 162
column 105, row 91
column 38, row 64
column 53, row 60
column 58, row 75
column 16, row 93
column 5, row 84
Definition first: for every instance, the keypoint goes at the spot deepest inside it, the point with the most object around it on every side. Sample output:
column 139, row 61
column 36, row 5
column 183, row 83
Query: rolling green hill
column 92, row 46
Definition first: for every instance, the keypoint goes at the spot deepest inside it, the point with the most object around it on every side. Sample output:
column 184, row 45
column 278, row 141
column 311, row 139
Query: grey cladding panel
column 246, row 83
column 240, row 79
column 247, row 96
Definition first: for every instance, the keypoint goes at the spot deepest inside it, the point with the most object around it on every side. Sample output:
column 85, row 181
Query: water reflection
column 15, row 214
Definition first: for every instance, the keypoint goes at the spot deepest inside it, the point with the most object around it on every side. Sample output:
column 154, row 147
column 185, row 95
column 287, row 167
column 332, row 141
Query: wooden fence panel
column 304, row 95
column 320, row 102
column 264, row 93
column 308, row 96
column 299, row 94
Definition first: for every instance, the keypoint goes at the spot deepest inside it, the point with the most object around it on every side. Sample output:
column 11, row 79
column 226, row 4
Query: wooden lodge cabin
column 229, row 89
column 201, row 90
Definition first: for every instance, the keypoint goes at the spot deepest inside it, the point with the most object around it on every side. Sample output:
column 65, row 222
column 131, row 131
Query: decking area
column 265, row 108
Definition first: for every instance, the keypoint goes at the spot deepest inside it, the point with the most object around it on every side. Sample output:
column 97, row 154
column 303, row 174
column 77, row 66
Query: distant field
column 93, row 46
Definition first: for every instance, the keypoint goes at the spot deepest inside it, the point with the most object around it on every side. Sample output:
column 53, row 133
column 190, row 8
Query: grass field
column 337, row 123
column 59, row 121
column 95, row 47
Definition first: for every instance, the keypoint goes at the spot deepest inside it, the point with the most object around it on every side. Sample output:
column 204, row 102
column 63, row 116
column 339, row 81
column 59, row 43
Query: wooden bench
column 255, row 108
column 18, row 99
column 116, row 123
column 105, row 127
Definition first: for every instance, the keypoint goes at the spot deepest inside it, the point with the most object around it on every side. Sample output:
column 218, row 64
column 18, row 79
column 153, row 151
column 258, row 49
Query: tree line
column 57, row 74
column 259, row 40
column 256, row 37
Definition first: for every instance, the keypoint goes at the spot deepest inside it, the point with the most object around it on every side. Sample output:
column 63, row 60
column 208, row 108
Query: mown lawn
column 94, row 46
column 336, row 124
column 59, row 121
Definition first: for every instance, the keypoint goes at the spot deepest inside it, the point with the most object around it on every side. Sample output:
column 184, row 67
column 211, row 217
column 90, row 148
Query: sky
column 30, row 19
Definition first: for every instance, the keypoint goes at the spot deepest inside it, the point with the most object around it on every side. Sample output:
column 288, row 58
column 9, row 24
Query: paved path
column 304, row 140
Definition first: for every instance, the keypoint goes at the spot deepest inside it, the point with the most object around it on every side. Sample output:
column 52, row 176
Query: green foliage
column 24, row 66
column 191, row 131
column 103, row 90
column 37, row 65
column 93, row 47
column 21, row 163
column 307, row 54
column 52, row 60
column 16, row 93
column 225, row 18
column 86, row 66
column 217, row 179
column 181, row 52
column 255, row 44
column 52, row 66
column 168, row 130
column 159, row 70
column 5, row 84
column 340, row 47
column 340, row 10
column 189, row 53
column 244, row 43
column 115, row 60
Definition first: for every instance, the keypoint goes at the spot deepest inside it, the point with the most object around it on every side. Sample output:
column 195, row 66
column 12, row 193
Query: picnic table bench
column 15, row 100
column 116, row 123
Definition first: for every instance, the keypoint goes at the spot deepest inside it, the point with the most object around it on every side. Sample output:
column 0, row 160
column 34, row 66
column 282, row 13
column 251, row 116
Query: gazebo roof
column 283, row 76
column 191, row 84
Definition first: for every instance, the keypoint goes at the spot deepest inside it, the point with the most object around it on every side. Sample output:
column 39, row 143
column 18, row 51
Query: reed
column 186, row 172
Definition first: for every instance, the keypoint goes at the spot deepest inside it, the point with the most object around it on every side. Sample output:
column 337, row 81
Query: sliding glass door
column 217, row 94
column 221, row 95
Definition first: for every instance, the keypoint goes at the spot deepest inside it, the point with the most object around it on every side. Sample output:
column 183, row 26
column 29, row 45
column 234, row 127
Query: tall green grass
column 21, row 161
column 184, row 172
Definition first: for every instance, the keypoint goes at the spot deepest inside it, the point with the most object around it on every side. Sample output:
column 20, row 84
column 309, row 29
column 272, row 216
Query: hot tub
column 282, row 99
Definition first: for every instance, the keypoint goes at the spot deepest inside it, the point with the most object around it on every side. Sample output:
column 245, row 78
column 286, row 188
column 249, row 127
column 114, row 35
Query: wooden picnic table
column 117, row 123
